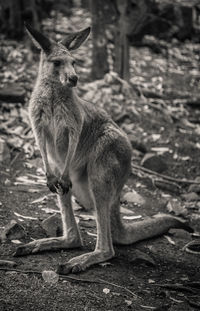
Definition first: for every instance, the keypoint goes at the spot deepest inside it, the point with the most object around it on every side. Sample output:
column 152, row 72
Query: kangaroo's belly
column 80, row 189
column 57, row 147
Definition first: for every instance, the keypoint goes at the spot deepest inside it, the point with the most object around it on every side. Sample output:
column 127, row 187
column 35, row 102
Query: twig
column 73, row 278
column 7, row 263
column 192, row 243
column 119, row 286
column 15, row 158
column 193, row 284
column 176, row 287
column 192, row 303
column 177, row 180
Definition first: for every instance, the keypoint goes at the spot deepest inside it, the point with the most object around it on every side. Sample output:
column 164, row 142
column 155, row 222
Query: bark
column 112, row 22
column 13, row 13
column 121, row 42
column 99, row 53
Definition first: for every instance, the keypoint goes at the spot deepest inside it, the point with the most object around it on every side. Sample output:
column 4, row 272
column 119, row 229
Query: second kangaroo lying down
column 84, row 153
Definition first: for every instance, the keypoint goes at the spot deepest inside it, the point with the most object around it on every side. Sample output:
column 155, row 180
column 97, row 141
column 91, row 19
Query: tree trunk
column 99, row 53
column 121, row 42
column 113, row 21
column 109, row 26
column 13, row 15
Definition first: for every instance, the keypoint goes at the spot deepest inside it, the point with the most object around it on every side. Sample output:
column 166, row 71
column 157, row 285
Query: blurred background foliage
column 141, row 62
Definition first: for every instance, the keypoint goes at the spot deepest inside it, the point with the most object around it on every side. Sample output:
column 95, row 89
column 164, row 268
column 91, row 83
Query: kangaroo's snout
column 73, row 80
column 69, row 80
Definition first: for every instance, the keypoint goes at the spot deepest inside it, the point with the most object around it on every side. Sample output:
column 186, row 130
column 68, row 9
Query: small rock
column 191, row 196
column 139, row 257
column 133, row 197
column 53, row 225
column 4, row 151
column 176, row 207
column 13, row 231
column 128, row 302
column 50, row 276
column 154, row 163
column 195, row 187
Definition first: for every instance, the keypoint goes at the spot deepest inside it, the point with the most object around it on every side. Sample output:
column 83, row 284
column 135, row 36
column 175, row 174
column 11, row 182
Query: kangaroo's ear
column 73, row 40
column 40, row 41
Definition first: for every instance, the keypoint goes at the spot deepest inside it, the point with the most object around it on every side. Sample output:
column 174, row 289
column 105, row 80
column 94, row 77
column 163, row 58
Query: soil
column 121, row 284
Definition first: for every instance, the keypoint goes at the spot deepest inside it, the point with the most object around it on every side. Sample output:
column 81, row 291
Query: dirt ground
column 121, row 284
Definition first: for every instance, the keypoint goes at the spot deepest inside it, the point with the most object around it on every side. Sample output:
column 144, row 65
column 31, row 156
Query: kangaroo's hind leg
column 103, row 181
column 71, row 236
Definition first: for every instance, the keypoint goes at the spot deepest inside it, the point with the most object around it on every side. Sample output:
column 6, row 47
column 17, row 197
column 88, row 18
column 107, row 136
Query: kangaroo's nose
column 73, row 80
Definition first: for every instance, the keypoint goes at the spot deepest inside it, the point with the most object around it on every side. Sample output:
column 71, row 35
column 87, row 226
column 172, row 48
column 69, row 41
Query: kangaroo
column 84, row 153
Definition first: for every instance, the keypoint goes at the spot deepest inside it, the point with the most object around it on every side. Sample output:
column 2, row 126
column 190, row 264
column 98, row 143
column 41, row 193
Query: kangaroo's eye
column 57, row 63
column 73, row 62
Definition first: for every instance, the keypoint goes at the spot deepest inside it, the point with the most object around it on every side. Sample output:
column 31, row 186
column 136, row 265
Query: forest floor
column 156, row 274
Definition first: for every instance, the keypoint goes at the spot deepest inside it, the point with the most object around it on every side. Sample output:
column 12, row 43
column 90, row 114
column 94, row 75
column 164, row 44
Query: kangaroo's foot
column 80, row 263
column 47, row 244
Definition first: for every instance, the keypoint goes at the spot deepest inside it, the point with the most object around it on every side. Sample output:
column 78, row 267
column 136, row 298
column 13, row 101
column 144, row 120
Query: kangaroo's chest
column 52, row 124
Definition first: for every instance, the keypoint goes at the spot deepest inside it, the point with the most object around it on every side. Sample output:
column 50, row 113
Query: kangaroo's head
column 57, row 61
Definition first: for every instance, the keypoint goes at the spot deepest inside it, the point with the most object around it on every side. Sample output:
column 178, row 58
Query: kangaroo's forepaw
column 64, row 184
column 52, row 183
column 59, row 186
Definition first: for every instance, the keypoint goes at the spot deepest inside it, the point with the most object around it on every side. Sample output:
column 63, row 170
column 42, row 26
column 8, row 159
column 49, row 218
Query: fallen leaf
column 49, row 210
column 33, row 190
column 155, row 137
column 86, row 217
column 161, row 150
column 169, row 240
column 148, row 307
column 105, row 264
column 150, row 281
column 41, row 199
column 132, row 217
column 25, row 217
column 26, row 180
column 91, row 234
column 16, row 241
column 128, row 302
